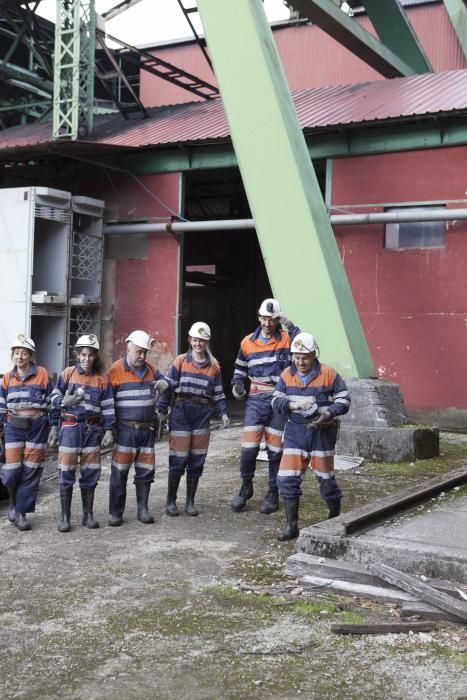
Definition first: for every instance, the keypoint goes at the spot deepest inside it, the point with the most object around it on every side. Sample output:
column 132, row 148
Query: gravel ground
column 197, row 607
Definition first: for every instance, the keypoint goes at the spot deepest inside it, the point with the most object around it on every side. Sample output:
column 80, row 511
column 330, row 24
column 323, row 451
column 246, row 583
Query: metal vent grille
column 86, row 261
column 52, row 214
column 48, row 310
column 83, row 320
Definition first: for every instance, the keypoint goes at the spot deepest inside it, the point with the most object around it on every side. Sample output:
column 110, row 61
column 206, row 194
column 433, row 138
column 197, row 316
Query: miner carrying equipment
column 263, row 355
column 311, row 396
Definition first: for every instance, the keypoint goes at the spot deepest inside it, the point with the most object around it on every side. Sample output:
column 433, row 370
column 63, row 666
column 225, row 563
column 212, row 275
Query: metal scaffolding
column 75, row 45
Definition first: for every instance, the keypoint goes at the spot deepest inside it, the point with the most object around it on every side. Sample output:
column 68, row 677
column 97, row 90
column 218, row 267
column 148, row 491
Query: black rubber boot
column 191, row 486
column 115, row 520
column 21, row 522
column 142, row 497
column 65, row 503
column 334, row 508
column 12, row 505
column 238, row 503
column 270, row 502
column 171, row 505
column 291, row 529
column 87, row 497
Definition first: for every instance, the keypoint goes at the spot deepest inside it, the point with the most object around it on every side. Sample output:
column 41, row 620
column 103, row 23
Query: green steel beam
column 395, row 31
column 457, row 12
column 355, row 38
column 298, row 245
column 363, row 141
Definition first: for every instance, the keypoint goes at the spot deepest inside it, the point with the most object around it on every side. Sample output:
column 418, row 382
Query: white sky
column 153, row 21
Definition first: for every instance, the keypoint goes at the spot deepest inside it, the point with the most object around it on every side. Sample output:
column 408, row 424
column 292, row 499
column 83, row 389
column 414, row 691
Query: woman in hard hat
column 24, row 425
column 197, row 382
column 83, row 402
column 312, row 396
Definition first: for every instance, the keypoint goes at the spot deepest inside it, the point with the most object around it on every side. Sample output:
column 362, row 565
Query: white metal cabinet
column 51, row 249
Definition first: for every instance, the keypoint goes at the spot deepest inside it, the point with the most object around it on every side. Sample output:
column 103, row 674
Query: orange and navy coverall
column 25, row 448
column 304, row 441
column 261, row 361
column 135, row 407
column 82, row 426
column 198, row 393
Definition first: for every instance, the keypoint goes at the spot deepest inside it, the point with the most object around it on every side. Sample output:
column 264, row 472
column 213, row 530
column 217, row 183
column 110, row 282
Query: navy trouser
column 302, row 444
column 260, row 420
column 133, row 446
column 79, row 443
column 25, row 451
column 189, row 437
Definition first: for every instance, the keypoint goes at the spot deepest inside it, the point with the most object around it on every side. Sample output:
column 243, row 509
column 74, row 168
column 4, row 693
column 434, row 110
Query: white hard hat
column 141, row 339
column 22, row 341
column 270, row 307
column 304, row 342
column 88, row 341
column 200, row 330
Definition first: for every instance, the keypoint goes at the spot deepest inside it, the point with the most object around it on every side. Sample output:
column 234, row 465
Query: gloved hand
column 286, row 322
column 225, row 420
column 2, row 447
column 52, row 440
column 69, row 400
column 108, row 439
column 301, row 403
column 325, row 416
column 238, row 391
column 160, row 385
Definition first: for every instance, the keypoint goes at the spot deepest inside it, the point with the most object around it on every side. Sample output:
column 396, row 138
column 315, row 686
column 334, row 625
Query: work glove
column 302, row 404
column 52, row 440
column 108, row 439
column 238, row 391
column 2, row 447
column 225, row 420
column 286, row 322
column 69, row 400
column 325, row 416
column 160, row 385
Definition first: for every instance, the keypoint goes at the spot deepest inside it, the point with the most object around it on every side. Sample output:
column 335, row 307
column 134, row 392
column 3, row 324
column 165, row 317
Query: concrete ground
column 183, row 608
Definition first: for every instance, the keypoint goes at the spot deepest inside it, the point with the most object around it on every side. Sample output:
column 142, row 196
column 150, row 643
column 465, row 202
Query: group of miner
column 293, row 402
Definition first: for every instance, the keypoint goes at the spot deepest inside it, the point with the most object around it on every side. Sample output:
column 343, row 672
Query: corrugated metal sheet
column 317, row 109
column 311, row 58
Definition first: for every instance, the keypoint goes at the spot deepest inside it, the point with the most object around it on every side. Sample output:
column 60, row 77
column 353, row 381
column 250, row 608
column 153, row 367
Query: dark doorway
column 224, row 276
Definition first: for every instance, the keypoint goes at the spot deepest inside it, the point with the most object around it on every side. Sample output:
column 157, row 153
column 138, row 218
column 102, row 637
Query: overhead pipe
column 387, row 217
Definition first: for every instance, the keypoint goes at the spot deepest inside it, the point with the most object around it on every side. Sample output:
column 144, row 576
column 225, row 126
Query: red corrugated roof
column 321, row 108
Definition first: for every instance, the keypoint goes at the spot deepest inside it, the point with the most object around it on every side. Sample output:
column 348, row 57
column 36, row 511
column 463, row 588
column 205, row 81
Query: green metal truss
column 75, row 43
column 293, row 227
column 395, row 31
column 457, row 12
column 355, row 38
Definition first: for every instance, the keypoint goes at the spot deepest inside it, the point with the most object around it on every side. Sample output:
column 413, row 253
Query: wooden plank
column 398, row 501
column 324, row 585
column 422, row 590
column 384, row 628
column 301, row 564
column 425, row 611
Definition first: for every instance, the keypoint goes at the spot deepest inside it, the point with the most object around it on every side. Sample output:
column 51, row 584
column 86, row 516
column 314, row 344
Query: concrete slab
column 430, row 539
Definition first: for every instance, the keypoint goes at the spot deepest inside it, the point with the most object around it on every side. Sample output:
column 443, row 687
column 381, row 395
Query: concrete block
column 375, row 404
column 389, row 444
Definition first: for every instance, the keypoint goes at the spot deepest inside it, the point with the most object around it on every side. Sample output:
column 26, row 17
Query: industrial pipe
column 387, row 217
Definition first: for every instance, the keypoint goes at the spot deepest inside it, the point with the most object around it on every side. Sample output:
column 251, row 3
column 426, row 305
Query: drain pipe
column 387, row 217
